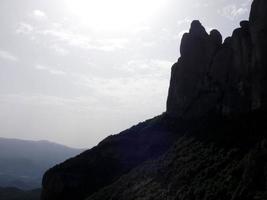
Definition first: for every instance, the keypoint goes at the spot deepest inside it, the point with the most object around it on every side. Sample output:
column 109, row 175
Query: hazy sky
column 76, row 71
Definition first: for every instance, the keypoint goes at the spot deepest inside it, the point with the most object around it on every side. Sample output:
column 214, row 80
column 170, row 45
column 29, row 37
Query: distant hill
column 11, row 193
column 23, row 162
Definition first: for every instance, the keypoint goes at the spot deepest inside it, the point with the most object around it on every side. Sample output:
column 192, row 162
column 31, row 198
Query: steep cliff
column 210, row 143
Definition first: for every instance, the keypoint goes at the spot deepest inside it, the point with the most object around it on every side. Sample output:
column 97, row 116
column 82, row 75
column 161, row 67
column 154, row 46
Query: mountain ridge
column 216, row 103
column 23, row 162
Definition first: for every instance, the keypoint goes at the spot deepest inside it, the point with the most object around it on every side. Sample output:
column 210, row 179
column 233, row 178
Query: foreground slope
column 226, row 160
column 116, row 155
column 216, row 113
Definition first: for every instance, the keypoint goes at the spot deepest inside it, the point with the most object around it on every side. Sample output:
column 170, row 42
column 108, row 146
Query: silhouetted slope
column 216, row 113
column 23, row 162
column 225, row 160
column 105, row 163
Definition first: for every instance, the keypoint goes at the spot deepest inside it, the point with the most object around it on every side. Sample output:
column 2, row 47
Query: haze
column 76, row 71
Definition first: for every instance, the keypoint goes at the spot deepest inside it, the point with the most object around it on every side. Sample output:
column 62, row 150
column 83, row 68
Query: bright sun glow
column 114, row 14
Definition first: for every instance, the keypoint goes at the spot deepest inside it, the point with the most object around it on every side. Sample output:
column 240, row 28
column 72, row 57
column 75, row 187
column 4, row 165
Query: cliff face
column 258, row 32
column 228, row 78
column 215, row 116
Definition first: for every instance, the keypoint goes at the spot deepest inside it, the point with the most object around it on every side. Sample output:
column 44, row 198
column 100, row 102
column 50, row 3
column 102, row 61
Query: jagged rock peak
column 189, row 78
column 244, row 24
column 215, row 78
column 197, row 29
column 216, row 36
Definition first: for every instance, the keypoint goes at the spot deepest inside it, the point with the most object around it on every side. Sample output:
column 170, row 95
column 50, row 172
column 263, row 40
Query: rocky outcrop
column 215, row 108
column 190, row 89
column 258, row 32
column 228, row 78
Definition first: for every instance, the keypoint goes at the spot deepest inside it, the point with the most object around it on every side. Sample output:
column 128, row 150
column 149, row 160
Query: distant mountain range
column 23, row 162
column 11, row 193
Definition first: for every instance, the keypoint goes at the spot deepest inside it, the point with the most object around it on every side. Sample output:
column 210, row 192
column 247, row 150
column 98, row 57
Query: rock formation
column 210, row 143
column 228, row 78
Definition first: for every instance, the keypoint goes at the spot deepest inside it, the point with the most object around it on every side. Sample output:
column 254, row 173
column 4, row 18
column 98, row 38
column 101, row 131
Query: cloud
column 39, row 15
column 123, row 92
column 7, row 56
column 232, row 11
column 57, row 36
column 75, row 103
column 247, row 3
column 59, row 50
column 24, row 28
column 148, row 68
column 145, row 80
column 85, row 42
column 110, row 44
column 184, row 21
column 50, row 70
column 201, row 4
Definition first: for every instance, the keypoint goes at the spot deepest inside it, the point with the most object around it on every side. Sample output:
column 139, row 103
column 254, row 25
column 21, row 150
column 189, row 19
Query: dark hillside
column 202, row 166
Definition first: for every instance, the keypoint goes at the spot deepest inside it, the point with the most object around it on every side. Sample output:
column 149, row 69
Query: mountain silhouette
column 23, row 162
column 209, row 144
column 11, row 193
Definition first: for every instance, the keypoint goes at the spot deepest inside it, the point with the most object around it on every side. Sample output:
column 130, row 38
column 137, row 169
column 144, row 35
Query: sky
column 76, row 71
